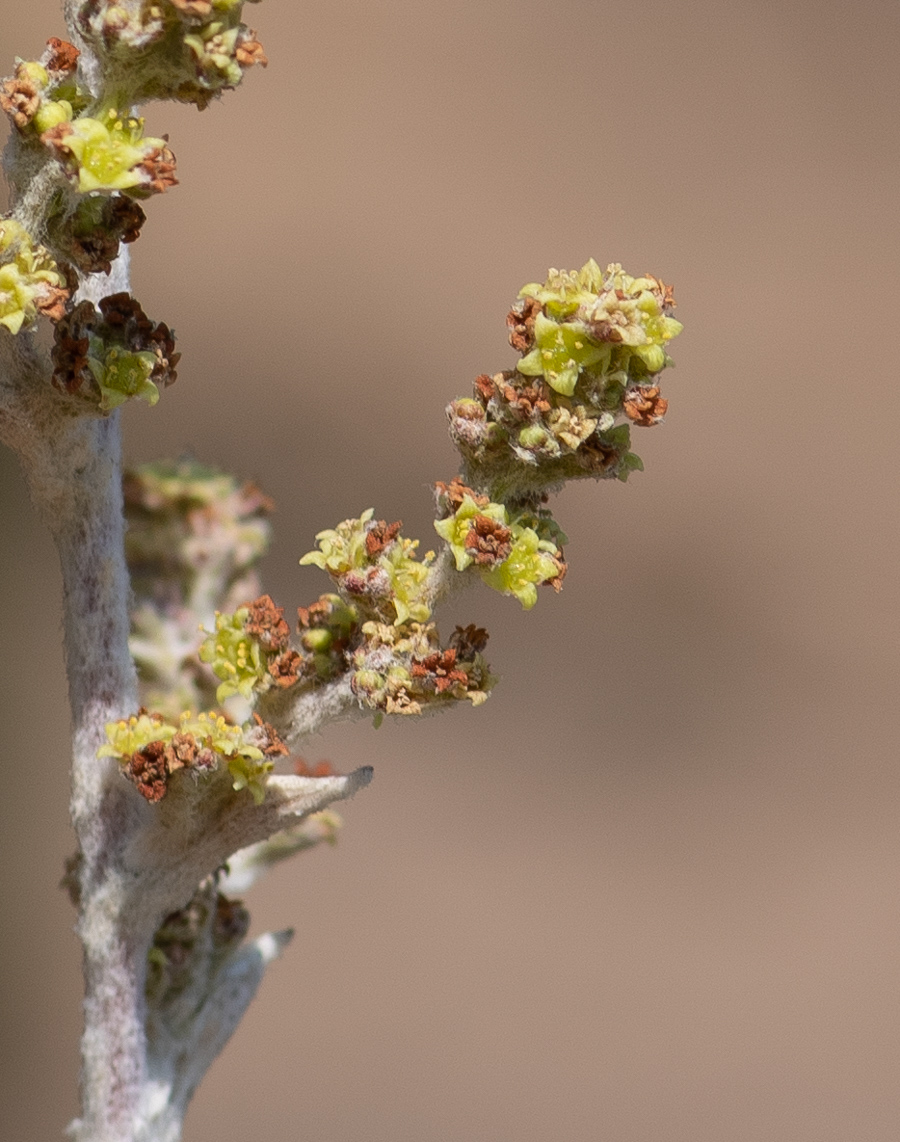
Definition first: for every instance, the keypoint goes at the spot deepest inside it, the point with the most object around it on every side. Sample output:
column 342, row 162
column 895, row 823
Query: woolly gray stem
column 76, row 482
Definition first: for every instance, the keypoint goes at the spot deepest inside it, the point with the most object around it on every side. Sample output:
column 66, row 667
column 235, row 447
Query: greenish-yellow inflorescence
column 129, row 735
column 531, row 562
column 210, row 732
column 402, row 670
column 408, row 577
column 523, row 558
column 29, row 277
column 213, row 46
column 598, row 322
column 457, row 528
column 107, row 154
column 121, row 375
column 235, row 657
column 343, row 548
column 380, row 572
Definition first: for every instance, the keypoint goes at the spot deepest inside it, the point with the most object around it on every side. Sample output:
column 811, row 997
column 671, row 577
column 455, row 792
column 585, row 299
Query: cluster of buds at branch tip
column 592, row 345
column 187, row 50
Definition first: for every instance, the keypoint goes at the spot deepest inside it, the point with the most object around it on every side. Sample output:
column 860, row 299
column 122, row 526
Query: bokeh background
column 649, row 892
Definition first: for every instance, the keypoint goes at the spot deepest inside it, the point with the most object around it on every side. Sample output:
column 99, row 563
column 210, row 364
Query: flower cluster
column 402, row 670
column 114, row 353
column 31, row 283
column 151, row 749
column 189, row 50
column 249, row 652
column 376, row 568
column 592, row 343
column 513, row 553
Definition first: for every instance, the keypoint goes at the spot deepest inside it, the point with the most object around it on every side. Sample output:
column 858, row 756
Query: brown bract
column 381, row 536
column 266, row 623
column 520, row 320
column 20, row 99
column 231, row 921
column 488, row 541
column 644, row 405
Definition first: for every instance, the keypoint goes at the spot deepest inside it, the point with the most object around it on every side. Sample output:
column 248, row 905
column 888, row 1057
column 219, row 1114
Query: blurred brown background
column 649, row 892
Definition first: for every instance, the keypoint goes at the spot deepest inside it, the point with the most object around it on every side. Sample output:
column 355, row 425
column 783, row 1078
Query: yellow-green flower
column 234, row 656
column 106, row 154
column 214, row 49
column 409, row 579
column 530, row 563
column 128, row 735
column 565, row 290
column 560, row 353
column 455, row 529
column 28, row 276
column 343, row 548
column 122, row 375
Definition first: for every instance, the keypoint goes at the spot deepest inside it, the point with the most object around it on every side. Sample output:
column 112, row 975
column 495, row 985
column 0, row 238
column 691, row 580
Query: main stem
column 78, row 485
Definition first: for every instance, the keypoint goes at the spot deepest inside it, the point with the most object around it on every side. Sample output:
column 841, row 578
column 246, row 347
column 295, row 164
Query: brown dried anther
column 266, row 623
column 528, row 400
column 453, row 494
column 439, row 670
column 286, row 668
column 250, row 51
column 60, row 56
column 120, row 323
column 231, row 921
column 158, row 165
column 488, row 541
column 468, row 641
column 148, row 770
column 520, row 320
column 644, row 405
column 380, row 536
column 266, row 738
column 193, row 7
column 20, row 99
column 320, row 769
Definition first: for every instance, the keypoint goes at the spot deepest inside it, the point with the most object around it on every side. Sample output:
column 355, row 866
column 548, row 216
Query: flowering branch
column 176, row 800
